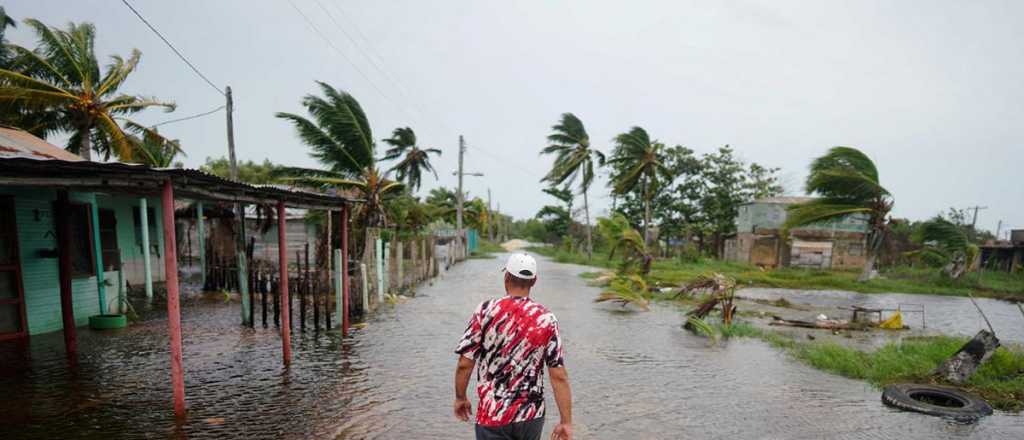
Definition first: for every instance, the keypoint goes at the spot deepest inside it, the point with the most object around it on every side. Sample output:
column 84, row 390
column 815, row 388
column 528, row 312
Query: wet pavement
column 634, row 375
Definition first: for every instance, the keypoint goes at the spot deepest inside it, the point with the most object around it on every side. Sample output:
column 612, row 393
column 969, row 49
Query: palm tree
column 58, row 88
column 847, row 182
column 414, row 160
column 639, row 161
column 5, row 22
column 152, row 149
column 574, row 158
column 947, row 242
column 341, row 139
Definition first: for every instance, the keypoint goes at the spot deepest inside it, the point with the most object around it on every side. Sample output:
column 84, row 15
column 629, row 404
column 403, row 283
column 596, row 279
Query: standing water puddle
column 634, row 375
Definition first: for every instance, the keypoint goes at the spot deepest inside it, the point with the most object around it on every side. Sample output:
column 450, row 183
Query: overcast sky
column 931, row 90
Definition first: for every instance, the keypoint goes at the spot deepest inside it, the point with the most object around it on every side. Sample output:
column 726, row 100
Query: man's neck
column 522, row 293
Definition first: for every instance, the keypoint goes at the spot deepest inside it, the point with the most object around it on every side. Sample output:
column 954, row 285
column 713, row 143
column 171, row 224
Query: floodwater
column 950, row 315
column 634, row 375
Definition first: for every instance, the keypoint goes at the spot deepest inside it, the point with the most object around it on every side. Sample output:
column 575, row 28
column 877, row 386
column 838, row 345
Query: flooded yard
column 634, row 375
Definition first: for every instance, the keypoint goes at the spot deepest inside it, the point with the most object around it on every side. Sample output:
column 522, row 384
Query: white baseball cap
column 522, row 266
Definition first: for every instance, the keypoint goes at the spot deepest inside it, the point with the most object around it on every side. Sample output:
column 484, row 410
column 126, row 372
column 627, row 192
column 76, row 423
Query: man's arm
column 563, row 397
column 463, row 409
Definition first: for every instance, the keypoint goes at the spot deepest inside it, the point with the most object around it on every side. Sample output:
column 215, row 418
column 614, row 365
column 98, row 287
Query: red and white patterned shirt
column 511, row 339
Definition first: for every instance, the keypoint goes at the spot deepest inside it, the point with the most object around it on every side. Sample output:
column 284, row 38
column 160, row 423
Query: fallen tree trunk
column 962, row 365
column 829, row 324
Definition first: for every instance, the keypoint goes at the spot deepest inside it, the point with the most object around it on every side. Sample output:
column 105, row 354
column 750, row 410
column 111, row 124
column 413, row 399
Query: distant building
column 837, row 244
column 1004, row 255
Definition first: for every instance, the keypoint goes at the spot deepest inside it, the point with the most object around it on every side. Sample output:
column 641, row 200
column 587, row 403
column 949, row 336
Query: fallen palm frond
column 721, row 291
column 626, row 290
column 701, row 327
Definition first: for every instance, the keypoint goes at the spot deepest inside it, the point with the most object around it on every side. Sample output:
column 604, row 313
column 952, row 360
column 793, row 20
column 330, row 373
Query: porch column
column 282, row 258
column 173, row 306
column 343, row 263
column 243, row 268
column 101, row 287
column 144, row 218
column 64, row 271
column 201, row 237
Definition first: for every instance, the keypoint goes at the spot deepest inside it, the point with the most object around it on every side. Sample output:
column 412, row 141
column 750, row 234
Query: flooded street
column 634, row 375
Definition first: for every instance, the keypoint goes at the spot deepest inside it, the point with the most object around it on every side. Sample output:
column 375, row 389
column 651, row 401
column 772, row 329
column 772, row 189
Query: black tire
column 945, row 401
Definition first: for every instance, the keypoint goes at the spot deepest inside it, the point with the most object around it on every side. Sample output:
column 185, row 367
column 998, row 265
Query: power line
column 199, row 115
column 176, row 51
column 355, row 66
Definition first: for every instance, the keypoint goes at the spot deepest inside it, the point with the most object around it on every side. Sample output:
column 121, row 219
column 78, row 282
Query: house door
column 12, row 295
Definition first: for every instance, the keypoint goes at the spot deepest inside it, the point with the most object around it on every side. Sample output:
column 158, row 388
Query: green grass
column 485, row 250
column 900, row 280
column 1000, row 380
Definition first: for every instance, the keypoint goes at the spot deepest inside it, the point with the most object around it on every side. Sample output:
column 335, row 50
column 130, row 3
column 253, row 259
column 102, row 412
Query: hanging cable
column 176, row 51
column 189, row 117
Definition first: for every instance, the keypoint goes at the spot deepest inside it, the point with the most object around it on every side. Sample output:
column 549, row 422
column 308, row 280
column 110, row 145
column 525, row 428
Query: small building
column 838, row 244
column 1004, row 255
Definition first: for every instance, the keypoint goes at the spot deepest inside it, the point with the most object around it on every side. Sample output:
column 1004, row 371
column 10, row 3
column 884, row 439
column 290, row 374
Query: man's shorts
column 528, row 430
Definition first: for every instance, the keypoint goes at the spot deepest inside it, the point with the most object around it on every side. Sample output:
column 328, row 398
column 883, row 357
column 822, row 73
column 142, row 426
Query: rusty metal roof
column 46, row 170
column 18, row 143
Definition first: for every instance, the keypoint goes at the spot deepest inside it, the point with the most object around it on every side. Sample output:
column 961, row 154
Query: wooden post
column 173, row 307
column 344, row 271
column 366, row 288
column 251, row 285
column 310, row 290
column 338, row 298
column 147, row 266
column 201, row 238
column 282, row 255
column 64, row 265
column 301, row 290
column 101, row 285
column 399, row 251
column 381, row 257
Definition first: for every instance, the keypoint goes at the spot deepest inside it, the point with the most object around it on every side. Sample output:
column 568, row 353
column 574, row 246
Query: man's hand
column 563, row 431
column 463, row 409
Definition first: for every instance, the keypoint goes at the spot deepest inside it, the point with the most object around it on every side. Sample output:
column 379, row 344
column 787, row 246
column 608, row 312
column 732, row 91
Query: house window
column 151, row 219
column 108, row 240
column 855, row 250
column 82, row 264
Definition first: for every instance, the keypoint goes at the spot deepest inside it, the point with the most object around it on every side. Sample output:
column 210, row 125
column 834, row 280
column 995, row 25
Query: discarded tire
column 105, row 322
column 936, row 400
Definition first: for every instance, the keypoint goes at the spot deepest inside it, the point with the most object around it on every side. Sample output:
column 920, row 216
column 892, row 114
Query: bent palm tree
column 58, row 88
column 414, row 160
column 948, row 241
column 340, row 137
column 574, row 158
column 639, row 161
column 847, row 182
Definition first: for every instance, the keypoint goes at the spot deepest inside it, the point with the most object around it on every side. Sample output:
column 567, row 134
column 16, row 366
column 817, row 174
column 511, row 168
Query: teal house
column 108, row 246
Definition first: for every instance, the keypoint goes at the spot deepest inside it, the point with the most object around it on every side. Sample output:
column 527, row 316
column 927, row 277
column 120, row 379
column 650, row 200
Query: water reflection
column 634, row 376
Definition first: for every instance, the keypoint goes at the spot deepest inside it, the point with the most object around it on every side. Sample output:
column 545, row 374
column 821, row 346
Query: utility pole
column 490, row 217
column 230, row 107
column 999, row 229
column 243, row 276
column 460, row 196
column 976, row 208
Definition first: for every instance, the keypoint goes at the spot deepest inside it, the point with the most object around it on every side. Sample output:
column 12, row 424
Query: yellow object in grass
column 895, row 322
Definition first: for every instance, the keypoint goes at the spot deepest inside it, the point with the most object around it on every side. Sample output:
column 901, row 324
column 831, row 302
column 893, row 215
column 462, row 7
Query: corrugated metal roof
column 35, row 162
column 18, row 143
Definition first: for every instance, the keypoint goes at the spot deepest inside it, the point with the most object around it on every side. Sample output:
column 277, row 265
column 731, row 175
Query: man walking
column 512, row 338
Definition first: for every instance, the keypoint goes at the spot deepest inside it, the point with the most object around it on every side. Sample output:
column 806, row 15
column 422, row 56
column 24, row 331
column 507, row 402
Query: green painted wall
column 36, row 232
column 130, row 243
column 773, row 215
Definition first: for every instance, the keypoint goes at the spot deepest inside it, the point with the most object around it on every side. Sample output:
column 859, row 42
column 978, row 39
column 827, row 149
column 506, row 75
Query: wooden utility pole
column 460, row 196
column 490, row 217
column 975, row 219
column 243, row 277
